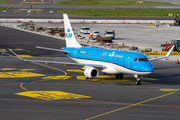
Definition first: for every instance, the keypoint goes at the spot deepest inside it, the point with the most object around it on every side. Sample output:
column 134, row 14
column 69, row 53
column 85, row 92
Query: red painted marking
column 94, row 21
column 18, row 21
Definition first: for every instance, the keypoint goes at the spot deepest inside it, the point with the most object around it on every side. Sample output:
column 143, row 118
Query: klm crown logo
column 68, row 30
column 68, row 34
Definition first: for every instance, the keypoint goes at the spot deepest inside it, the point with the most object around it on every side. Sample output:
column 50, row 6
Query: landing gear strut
column 138, row 81
column 119, row 76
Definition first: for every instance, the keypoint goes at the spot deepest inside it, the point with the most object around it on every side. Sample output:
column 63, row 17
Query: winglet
column 16, row 55
column 167, row 55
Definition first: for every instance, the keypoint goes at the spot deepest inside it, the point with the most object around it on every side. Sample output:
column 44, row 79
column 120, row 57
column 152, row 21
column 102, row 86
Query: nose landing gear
column 138, row 81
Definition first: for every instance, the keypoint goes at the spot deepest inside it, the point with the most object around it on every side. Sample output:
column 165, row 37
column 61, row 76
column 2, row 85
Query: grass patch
column 2, row 9
column 122, row 12
column 4, row 2
column 113, row 3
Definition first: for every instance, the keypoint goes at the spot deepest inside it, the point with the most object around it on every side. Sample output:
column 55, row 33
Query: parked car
column 85, row 30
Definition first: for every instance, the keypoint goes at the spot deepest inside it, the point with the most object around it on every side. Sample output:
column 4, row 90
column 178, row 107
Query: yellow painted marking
column 27, row 69
column 50, row 67
column 19, row 74
column 75, row 70
column 52, row 95
column 106, row 78
column 5, row 50
column 165, row 89
column 56, row 77
column 130, row 106
column 30, row 9
column 9, row 69
column 25, row 56
column 32, row 2
column 151, row 25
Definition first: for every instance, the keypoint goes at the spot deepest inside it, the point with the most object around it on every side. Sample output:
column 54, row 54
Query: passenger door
column 128, row 62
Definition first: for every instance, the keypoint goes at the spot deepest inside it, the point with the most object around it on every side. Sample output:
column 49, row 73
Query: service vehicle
column 95, row 34
column 110, row 34
column 168, row 45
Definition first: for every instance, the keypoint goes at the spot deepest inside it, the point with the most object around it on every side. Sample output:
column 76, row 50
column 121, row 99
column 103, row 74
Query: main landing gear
column 119, row 76
column 138, row 81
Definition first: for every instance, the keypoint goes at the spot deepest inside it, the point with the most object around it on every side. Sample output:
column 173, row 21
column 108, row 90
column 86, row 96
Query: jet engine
column 91, row 72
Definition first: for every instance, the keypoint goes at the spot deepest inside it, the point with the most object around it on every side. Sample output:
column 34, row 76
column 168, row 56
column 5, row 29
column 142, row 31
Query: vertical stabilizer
column 70, row 38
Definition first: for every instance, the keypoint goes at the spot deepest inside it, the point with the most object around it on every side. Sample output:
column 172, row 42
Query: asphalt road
column 46, row 9
column 52, row 92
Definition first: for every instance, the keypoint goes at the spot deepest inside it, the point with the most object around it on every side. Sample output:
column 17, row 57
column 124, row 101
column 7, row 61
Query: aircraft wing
column 167, row 55
column 51, row 49
column 63, row 63
column 67, row 63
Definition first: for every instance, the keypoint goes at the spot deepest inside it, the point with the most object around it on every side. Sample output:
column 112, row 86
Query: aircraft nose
column 149, row 68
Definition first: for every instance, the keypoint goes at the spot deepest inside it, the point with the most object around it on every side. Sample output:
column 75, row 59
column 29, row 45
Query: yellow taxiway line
column 130, row 106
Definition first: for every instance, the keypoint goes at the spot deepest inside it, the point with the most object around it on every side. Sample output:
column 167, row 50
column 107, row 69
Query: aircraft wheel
column 121, row 76
column 117, row 76
column 86, row 77
column 138, row 82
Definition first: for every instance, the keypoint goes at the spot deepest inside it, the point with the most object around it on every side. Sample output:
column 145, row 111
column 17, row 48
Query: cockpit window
column 141, row 59
column 135, row 59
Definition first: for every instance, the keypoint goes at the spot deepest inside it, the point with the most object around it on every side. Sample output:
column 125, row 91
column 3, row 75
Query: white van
column 85, row 30
column 110, row 34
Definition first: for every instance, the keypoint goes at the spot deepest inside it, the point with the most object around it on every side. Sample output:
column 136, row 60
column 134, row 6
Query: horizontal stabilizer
column 51, row 49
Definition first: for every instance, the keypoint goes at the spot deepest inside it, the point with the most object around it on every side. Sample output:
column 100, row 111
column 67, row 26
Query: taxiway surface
column 30, row 90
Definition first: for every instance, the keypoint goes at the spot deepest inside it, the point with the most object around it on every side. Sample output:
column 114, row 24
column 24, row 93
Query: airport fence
column 6, row 20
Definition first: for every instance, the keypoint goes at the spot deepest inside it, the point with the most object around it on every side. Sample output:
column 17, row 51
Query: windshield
column 109, row 32
column 141, row 59
column 96, row 32
column 86, row 28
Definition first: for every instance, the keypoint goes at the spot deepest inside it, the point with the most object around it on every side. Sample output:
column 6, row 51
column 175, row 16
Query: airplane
column 95, row 60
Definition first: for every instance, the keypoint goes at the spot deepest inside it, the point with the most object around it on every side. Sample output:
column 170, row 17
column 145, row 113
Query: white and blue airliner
column 95, row 60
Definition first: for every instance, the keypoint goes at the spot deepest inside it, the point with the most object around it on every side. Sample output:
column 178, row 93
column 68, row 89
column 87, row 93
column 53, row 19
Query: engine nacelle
column 91, row 72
